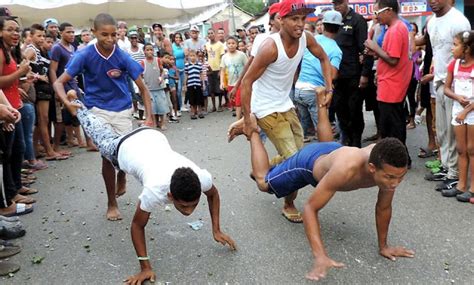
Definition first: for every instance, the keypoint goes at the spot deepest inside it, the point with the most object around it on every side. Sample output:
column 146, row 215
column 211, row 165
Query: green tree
column 251, row 6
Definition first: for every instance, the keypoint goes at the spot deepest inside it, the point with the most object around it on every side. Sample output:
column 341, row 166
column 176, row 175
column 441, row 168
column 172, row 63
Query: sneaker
column 183, row 109
column 193, row 117
column 173, row 119
column 418, row 119
column 178, row 113
column 438, row 176
column 433, row 163
column 201, row 116
column 448, row 184
column 453, row 192
column 465, row 197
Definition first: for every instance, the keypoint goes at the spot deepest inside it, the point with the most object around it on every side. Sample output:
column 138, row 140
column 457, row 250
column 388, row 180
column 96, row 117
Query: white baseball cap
column 332, row 17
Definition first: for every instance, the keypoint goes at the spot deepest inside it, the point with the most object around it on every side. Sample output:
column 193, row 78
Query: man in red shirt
column 393, row 70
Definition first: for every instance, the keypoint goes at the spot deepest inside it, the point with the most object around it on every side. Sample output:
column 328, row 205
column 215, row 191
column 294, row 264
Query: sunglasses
column 376, row 13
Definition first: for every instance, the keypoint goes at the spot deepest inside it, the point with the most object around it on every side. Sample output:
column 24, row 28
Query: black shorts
column 214, row 82
column 425, row 95
column 195, row 95
column 42, row 96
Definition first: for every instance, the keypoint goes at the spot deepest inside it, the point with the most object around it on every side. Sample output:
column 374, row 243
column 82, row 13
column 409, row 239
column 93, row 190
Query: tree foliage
column 251, row 6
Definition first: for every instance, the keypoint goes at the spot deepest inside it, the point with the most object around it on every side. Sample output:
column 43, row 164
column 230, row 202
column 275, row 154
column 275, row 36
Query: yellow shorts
column 284, row 131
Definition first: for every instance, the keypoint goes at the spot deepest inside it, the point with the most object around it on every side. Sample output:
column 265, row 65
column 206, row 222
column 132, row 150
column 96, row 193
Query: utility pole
column 231, row 3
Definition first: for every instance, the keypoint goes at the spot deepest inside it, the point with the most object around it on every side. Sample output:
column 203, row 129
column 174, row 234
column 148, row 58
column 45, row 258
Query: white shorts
column 120, row 122
column 457, row 108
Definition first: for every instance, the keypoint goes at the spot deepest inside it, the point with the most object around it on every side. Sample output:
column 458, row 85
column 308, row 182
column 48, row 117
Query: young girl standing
column 460, row 87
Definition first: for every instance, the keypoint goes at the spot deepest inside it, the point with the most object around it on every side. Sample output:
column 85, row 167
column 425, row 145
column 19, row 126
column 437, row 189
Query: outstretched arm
column 138, row 238
column 145, row 93
column 322, row 194
column 383, row 215
column 214, row 206
column 267, row 54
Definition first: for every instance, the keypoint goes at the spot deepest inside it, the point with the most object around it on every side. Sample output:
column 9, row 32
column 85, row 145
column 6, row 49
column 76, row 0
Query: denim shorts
column 297, row 171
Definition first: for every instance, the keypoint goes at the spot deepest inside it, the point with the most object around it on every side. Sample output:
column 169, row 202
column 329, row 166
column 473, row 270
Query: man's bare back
column 346, row 165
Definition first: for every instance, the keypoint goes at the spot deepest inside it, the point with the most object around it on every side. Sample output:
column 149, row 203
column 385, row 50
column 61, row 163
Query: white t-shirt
column 148, row 156
column 442, row 31
column 271, row 92
column 124, row 44
column 257, row 42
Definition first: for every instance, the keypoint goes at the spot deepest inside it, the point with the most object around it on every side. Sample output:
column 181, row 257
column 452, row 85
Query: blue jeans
column 28, row 121
column 305, row 101
column 179, row 90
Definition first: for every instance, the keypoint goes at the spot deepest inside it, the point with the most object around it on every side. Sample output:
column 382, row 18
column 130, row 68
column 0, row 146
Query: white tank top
column 270, row 93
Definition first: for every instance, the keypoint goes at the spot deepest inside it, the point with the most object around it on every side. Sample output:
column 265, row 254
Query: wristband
column 142, row 258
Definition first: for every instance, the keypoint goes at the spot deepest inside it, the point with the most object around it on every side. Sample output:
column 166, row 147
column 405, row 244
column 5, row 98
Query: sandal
column 23, row 199
column 57, row 157
column 21, row 209
column 426, row 152
column 27, row 191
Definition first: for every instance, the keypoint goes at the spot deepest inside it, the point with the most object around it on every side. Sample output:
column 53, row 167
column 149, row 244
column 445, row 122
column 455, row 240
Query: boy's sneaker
column 433, row 164
column 447, row 184
column 438, row 176
column 173, row 119
column 465, row 197
column 453, row 192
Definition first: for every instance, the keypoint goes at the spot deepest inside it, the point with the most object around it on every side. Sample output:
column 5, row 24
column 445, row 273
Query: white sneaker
column 184, row 109
column 178, row 113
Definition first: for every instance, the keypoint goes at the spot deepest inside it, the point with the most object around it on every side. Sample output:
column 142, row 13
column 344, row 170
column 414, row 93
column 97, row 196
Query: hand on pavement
column 224, row 239
column 398, row 251
column 321, row 267
column 141, row 277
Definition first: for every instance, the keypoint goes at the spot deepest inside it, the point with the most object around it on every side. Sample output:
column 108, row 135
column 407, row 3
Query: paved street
column 68, row 227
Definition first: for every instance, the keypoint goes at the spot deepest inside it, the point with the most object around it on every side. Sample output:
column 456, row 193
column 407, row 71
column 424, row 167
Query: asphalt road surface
column 78, row 245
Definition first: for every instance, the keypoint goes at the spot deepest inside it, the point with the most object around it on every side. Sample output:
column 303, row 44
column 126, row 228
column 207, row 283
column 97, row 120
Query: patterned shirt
column 193, row 71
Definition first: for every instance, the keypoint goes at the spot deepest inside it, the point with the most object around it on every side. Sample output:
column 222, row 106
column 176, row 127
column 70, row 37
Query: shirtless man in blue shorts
column 331, row 167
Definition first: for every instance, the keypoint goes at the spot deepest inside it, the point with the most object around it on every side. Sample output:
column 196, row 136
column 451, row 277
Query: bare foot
column 235, row 129
column 113, row 214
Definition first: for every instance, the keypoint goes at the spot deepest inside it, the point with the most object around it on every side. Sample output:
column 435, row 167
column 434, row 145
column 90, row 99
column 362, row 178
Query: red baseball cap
column 274, row 8
column 293, row 7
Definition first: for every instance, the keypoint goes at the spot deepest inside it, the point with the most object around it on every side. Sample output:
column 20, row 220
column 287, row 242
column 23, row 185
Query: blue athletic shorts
column 297, row 171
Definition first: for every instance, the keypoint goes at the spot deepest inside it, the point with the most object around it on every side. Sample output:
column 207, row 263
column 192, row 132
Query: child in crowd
column 193, row 83
column 242, row 47
column 459, row 87
column 173, row 79
column 205, row 87
column 153, row 77
column 233, row 63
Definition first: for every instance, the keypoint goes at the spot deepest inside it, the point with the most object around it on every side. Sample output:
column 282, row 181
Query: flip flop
column 294, row 218
column 29, row 191
column 8, row 267
column 425, row 153
column 7, row 251
column 21, row 209
column 25, row 200
column 57, row 157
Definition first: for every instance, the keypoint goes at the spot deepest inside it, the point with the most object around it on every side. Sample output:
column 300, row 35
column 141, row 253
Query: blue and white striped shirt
column 193, row 71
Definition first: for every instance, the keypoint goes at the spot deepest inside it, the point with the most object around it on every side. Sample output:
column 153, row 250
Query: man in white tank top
column 267, row 84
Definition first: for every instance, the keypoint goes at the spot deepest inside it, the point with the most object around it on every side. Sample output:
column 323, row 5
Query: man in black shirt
column 353, row 75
